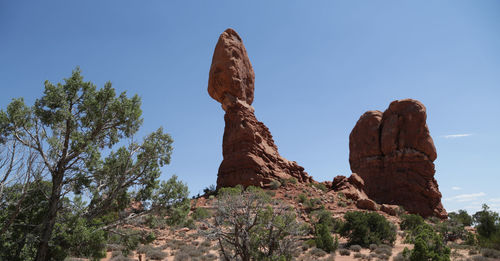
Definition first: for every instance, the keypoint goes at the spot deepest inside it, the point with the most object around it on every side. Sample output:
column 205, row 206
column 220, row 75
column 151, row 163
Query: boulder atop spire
column 231, row 77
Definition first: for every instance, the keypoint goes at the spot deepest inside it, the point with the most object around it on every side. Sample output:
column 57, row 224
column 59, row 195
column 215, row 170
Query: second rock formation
column 393, row 153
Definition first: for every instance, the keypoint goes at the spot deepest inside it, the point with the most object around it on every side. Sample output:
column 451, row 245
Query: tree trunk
column 50, row 219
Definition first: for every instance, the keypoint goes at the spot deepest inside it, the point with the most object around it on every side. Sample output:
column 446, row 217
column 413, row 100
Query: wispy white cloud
column 456, row 188
column 494, row 200
column 454, row 136
column 466, row 197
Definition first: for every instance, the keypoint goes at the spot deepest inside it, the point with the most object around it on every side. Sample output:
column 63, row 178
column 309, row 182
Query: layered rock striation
column 250, row 155
column 393, row 153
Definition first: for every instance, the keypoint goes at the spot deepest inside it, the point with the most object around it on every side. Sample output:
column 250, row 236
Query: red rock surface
column 352, row 187
column 393, row 153
column 250, row 155
column 231, row 74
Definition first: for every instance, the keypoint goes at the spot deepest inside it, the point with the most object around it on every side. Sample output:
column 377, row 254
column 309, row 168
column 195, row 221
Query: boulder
column 389, row 209
column 367, row 204
column 351, row 187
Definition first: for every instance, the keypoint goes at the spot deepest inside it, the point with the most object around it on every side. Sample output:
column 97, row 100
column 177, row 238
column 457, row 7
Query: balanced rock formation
column 393, row 153
column 250, row 155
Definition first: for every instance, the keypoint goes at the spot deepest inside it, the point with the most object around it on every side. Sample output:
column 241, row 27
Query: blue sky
column 319, row 65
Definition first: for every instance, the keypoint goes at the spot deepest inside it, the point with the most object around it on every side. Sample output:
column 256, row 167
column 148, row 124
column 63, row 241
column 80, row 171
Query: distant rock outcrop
column 250, row 155
column 393, row 153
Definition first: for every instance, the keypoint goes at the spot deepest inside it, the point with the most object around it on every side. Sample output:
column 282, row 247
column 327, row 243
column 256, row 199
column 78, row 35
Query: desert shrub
column 383, row 250
column 428, row 245
column 451, row 230
column 461, row 217
column 492, row 253
column 355, row 248
column 320, row 186
column 155, row 221
column 171, row 198
column 325, row 217
column 210, row 190
column 313, row 204
column 365, row 228
column 267, row 229
column 310, row 243
column 153, row 253
column 342, row 204
column 488, row 228
column 301, row 198
column 373, row 247
column 324, row 239
column 479, row 258
column 470, row 239
column 181, row 256
column 344, row 252
column 275, row 184
column 200, row 214
column 411, row 221
column 317, row 252
column 400, row 257
column 230, row 190
column 359, row 255
column 291, row 180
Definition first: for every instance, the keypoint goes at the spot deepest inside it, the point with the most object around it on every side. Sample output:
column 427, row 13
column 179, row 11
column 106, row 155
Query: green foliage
column 411, row 221
column 210, row 190
column 67, row 129
column 486, row 222
column 200, row 214
column 429, row 245
column 313, row 204
column 291, row 180
column 248, row 224
column 320, row 186
column 301, row 198
column 230, row 190
column 324, row 239
column 461, row 217
column 365, row 228
column 274, row 184
column 172, row 199
column 488, row 228
column 451, row 230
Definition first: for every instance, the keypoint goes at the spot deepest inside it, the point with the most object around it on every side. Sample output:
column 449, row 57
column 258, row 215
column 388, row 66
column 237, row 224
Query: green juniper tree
column 68, row 128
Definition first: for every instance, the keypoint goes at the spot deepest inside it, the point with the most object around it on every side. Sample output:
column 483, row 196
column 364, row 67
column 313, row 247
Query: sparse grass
column 181, row 256
column 301, row 198
column 320, row 186
column 275, row 184
column 206, row 243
